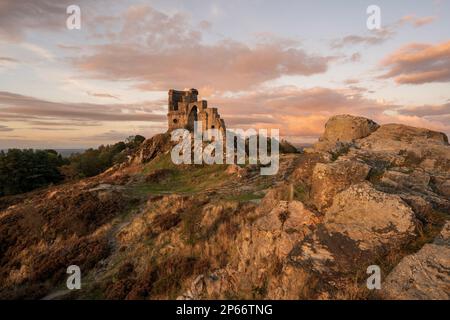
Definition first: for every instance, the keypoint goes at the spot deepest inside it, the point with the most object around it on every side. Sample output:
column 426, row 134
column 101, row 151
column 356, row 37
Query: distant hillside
column 65, row 153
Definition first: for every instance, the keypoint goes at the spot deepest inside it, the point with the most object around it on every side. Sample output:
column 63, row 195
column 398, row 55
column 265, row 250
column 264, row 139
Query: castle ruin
column 184, row 109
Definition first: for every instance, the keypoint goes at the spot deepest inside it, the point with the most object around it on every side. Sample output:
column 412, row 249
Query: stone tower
column 184, row 109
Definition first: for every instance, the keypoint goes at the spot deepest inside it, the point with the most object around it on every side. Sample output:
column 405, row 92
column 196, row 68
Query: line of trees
column 25, row 170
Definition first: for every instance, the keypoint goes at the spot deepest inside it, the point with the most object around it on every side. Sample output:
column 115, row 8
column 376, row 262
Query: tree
column 25, row 170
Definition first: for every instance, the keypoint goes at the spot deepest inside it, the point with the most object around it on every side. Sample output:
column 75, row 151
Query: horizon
column 78, row 89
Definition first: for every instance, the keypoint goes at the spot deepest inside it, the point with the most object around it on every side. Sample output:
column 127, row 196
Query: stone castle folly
column 184, row 109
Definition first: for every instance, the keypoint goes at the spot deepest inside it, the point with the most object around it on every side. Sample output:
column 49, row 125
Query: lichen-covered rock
column 417, row 147
column 371, row 218
column 345, row 129
column 153, row 147
column 328, row 179
column 417, row 180
column 395, row 136
column 423, row 275
column 444, row 188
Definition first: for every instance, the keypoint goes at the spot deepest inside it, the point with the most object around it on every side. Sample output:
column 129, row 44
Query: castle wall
column 182, row 104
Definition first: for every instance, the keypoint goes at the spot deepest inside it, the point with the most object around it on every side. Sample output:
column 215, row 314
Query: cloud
column 417, row 21
column 419, row 63
column 427, row 111
column 102, row 95
column 302, row 113
column 111, row 135
column 351, row 81
column 16, row 17
column 159, row 51
column 69, row 47
column 374, row 38
column 5, row 128
column 380, row 36
column 355, row 57
column 19, row 107
column 59, row 123
column 295, row 111
column 5, row 62
column 8, row 59
column 39, row 51
column 53, row 129
column 294, row 101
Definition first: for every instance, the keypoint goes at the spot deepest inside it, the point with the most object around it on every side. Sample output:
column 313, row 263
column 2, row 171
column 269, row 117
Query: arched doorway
column 193, row 116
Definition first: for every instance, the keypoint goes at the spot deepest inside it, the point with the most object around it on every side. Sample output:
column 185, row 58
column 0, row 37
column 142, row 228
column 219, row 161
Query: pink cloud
column 417, row 21
column 157, row 51
column 419, row 63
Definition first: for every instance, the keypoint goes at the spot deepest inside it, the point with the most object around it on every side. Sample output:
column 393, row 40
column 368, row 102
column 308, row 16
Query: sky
column 287, row 65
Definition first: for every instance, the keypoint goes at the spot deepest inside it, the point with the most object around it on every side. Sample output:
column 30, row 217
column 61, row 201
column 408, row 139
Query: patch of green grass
column 183, row 179
column 244, row 197
column 264, row 183
column 162, row 162
column 301, row 192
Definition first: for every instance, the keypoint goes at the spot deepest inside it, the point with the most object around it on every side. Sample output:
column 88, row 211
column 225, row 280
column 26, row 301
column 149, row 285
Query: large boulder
column 423, row 275
column 328, row 179
column 417, row 180
column 360, row 226
column 372, row 218
column 344, row 129
column 410, row 147
column 398, row 136
column 443, row 186
column 151, row 148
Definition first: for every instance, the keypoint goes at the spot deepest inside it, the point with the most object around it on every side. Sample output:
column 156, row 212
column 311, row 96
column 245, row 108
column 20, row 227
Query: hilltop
column 363, row 195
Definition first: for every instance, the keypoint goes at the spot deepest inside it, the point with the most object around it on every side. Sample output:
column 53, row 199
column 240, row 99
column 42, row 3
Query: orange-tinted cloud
column 299, row 113
column 427, row 111
column 417, row 21
column 373, row 38
column 376, row 37
column 102, row 95
column 302, row 113
column 18, row 107
column 159, row 51
column 228, row 65
column 5, row 128
column 296, row 112
column 419, row 63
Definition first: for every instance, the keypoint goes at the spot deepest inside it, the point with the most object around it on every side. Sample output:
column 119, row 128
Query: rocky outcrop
column 258, row 263
column 344, row 129
column 409, row 147
column 153, row 147
column 328, row 179
column 361, row 225
column 423, row 275
column 152, row 230
column 443, row 186
column 371, row 218
column 416, row 180
column 286, row 147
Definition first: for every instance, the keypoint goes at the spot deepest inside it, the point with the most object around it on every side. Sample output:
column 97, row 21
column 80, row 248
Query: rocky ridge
column 364, row 195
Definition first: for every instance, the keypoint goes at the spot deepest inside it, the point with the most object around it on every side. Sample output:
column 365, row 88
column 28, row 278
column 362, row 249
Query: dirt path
column 56, row 294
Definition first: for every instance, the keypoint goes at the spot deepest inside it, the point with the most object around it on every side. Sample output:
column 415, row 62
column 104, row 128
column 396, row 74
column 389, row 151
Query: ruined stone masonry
column 184, row 109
